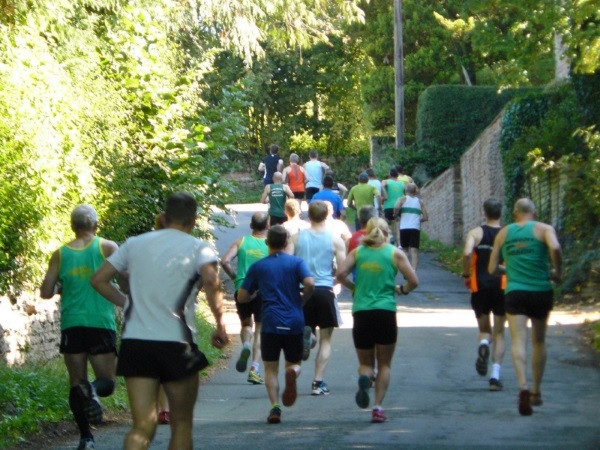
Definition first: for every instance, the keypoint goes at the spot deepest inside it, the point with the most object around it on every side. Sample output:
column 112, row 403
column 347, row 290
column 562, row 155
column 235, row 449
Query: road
column 436, row 400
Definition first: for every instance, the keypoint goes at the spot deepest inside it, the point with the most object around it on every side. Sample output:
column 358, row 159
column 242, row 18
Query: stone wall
column 29, row 329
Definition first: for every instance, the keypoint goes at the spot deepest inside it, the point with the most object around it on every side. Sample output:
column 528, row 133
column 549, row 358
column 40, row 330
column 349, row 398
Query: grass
column 34, row 395
column 450, row 256
column 246, row 194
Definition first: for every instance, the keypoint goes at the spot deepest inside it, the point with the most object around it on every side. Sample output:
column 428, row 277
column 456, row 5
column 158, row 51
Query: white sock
column 255, row 366
column 484, row 342
column 496, row 371
column 378, row 407
column 247, row 345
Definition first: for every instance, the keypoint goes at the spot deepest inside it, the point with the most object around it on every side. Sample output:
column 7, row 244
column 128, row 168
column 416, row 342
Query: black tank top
column 483, row 251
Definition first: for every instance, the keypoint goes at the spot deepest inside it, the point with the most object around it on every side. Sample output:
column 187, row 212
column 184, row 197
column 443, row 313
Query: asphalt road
column 436, row 400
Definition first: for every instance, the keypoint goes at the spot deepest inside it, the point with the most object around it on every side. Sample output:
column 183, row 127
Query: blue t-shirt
column 327, row 195
column 278, row 278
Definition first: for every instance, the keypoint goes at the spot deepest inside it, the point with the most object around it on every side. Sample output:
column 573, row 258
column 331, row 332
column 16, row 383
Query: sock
column 247, row 345
column 378, row 408
column 255, row 366
column 496, row 371
column 104, row 386
column 484, row 342
column 76, row 404
column 276, row 405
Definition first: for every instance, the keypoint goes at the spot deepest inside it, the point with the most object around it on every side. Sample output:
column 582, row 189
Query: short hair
column 328, row 181
column 492, row 208
column 394, row 173
column 317, row 211
column 313, row 153
column 259, row 221
column 411, row 188
column 524, row 206
column 294, row 158
column 378, row 232
column 363, row 177
column 181, row 209
column 84, row 218
column 365, row 213
column 277, row 237
column 399, row 169
column 277, row 176
column 370, row 172
column 291, row 207
column 274, row 149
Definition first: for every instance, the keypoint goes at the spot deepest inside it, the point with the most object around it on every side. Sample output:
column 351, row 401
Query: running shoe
column 481, row 365
column 86, row 444
column 536, row 399
column 274, row 415
column 525, row 408
column 254, row 377
column 164, row 417
column 495, row 384
column 242, row 362
column 289, row 393
column 320, row 388
column 362, row 396
column 91, row 403
column 377, row 416
column 307, row 342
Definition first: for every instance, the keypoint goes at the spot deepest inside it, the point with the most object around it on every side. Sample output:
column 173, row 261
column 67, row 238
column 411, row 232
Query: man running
column 533, row 258
column 363, row 194
column 248, row 250
column 487, row 294
column 315, row 170
column 270, row 164
column 275, row 195
column 412, row 213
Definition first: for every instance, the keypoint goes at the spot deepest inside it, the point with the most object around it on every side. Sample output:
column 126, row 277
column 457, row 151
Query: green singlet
column 251, row 250
column 375, row 279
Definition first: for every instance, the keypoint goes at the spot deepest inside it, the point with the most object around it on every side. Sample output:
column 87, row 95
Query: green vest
column 394, row 190
column 526, row 259
column 81, row 305
column 277, row 199
column 251, row 249
column 375, row 279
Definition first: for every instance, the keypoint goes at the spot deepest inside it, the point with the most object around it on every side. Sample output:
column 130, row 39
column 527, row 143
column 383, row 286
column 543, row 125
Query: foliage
column 451, row 118
column 547, row 132
column 450, row 256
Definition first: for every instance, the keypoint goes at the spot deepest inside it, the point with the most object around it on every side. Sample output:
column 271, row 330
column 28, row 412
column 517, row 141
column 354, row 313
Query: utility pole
column 399, row 73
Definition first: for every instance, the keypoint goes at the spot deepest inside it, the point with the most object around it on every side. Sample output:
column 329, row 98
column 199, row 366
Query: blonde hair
column 378, row 232
column 291, row 207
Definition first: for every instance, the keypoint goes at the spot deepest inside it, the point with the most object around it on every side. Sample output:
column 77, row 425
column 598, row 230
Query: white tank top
column 410, row 214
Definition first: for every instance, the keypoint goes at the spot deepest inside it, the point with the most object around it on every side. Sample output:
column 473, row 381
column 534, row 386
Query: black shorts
column 534, row 304
column 299, row 195
column 276, row 220
column 163, row 360
column 253, row 308
column 320, row 310
column 485, row 301
column 388, row 213
column 310, row 191
column 410, row 238
column 374, row 327
column 272, row 344
column 93, row 341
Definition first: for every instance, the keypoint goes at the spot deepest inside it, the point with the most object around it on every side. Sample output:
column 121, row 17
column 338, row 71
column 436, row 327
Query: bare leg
column 414, row 257
column 272, row 381
column 366, row 362
column 256, row 354
column 182, row 396
column 538, row 358
column 485, row 327
column 518, row 333
column 498, row 340
column 324, row 353
column 143, row 401
column 385, row 354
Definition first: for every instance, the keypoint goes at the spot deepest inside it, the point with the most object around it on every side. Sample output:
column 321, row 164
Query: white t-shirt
column 164, row 280
column 377, row 185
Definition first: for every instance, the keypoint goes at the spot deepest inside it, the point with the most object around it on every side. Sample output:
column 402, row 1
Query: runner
column 275, row 195
column 412, row 213
column 393, row 190
column 295, row 177
column 315, row 170
column 271, row 164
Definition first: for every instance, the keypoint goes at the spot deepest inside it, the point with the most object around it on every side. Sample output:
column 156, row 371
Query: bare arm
column 403, row 265
column 261, row 167
column 263, row 197
column 339, row 250
column 425, row 216
column 472, row 239
column 345, row 269
column 102, row 282
column 494, row 264
column 288, row 191
column 286, row 178
column 343, row 190
column 280, row 165
column 384, row 194
column 243, row 296
column 309, row 288
column 554, row 250
column 398, row 206
column 229, row 255
column 214, row 296
column 49, row 287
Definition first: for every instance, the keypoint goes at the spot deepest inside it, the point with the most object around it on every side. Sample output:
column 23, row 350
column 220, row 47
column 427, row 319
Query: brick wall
column 29, row 330
column 454, row 200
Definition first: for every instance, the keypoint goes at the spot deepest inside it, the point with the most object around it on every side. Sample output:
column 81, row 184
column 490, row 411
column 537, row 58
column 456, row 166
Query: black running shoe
column 91, row 403
column 274, row 415
column 481, row 365
column 495, row 384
